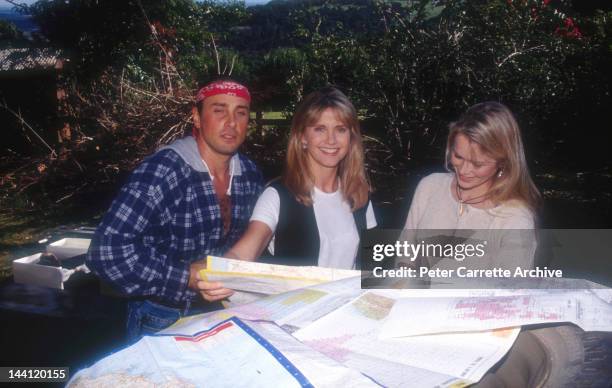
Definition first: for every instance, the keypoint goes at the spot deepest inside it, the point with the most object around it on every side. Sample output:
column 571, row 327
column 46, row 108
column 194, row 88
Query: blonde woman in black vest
column 315, row 213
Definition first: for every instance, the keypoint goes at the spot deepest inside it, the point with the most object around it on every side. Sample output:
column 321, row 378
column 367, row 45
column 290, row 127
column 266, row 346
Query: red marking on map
column 483, row 309
column 206, row 334
column 332, row 347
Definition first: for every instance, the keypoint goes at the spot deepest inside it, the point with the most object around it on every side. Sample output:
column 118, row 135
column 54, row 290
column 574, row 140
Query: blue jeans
column 145, row 318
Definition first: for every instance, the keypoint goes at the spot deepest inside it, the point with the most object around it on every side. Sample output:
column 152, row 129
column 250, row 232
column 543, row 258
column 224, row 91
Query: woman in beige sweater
column 487, row 195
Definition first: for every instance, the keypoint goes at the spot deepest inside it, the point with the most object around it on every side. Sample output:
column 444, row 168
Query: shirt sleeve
column 267, row 208
column 516, row 249
column 119, row 256
column 418, row 205
column 417, row 208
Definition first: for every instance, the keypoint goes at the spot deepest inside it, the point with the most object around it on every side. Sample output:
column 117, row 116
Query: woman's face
column 326, row 141
column 473, row 167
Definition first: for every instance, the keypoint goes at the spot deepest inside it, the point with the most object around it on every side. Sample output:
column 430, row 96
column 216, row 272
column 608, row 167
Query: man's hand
column 213, row 291
column 210, row 291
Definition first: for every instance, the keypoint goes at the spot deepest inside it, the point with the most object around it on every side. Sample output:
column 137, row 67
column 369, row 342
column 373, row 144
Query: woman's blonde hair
column 493, row 127
column 298, row 178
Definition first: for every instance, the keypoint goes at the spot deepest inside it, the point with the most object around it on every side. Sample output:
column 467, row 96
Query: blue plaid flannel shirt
column 163, row 219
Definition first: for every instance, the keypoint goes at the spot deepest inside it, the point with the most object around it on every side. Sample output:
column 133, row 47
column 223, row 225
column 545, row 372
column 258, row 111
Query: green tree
column 10, row 35
column 100, row 34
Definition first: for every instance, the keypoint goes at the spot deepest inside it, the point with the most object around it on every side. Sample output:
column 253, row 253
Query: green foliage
column 100, row 34
column 278, row 76
column 410, row 67
column 425, row 65
column 10, row 35
column 95, row 33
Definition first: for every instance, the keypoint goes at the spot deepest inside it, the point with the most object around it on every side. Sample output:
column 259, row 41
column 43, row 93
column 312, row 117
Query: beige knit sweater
column 508, row 229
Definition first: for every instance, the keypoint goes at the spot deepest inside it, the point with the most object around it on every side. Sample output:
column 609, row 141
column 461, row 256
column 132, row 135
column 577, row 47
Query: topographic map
column 335, row 334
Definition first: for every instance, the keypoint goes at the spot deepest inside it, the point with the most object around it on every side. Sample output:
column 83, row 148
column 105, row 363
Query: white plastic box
column 27, row 270
column 69, row 247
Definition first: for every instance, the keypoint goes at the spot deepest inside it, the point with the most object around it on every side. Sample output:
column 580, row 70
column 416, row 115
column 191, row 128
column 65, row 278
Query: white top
column 337, row 230
column 508, row 228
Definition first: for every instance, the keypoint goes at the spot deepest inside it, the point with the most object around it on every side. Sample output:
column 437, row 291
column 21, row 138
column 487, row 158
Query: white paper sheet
column 231, row 353
column 477, row 313
column 268, row 279
column 465, row 357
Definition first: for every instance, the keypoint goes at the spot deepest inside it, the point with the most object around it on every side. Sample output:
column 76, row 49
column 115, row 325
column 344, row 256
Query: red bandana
column 223, row 87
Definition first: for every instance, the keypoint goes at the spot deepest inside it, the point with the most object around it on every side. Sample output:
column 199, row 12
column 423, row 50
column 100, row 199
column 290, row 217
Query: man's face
column 222, row 124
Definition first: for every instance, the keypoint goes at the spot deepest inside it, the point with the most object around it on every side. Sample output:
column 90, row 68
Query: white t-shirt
column 337, row 230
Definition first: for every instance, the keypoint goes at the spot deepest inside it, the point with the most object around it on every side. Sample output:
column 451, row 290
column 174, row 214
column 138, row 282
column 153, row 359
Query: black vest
column 296, row 240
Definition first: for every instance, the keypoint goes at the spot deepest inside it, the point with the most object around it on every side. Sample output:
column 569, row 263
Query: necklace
column 473, row 201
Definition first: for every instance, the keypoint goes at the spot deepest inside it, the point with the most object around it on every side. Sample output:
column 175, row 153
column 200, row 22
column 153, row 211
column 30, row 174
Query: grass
column 274, row 116
column 16, row 230
column 20, row 230
column 270, row 116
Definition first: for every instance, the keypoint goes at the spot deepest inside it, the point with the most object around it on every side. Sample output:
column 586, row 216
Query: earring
column 304, row 145
column 500, row 173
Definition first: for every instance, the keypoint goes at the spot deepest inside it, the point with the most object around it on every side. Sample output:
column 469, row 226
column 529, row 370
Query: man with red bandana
column 190, row 199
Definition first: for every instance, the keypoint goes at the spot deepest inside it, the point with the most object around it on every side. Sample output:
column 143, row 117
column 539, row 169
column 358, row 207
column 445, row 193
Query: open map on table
column 268, row 279
column 335, row 334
